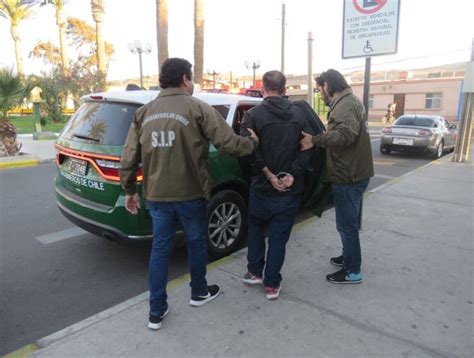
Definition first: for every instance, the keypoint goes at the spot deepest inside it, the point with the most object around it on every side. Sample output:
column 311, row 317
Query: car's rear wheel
column 227, row 223
column 384, row 150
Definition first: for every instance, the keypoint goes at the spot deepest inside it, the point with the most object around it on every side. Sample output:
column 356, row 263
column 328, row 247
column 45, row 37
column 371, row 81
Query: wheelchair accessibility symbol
column 367, row 47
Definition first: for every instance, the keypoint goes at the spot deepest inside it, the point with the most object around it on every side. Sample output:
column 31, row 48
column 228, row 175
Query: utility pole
column 463, row 141
column 214, row 74
column 310, row 70
column 283, row 26
column 254, row 65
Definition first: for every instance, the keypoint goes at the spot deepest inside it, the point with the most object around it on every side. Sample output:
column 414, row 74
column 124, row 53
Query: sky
column 431, row 32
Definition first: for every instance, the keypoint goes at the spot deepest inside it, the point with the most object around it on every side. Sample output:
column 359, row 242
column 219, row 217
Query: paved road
column 53, row 275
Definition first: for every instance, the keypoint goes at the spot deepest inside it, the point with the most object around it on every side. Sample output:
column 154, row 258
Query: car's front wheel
column 439, row 150
column 227, row 223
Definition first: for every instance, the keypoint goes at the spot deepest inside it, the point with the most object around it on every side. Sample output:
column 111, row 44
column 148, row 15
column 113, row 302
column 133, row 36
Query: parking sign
column 370, row 28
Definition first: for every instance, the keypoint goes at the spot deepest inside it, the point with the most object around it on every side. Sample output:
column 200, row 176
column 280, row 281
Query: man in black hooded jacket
column 278, row 182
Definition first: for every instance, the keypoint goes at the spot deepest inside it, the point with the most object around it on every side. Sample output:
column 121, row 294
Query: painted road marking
column 60, row 235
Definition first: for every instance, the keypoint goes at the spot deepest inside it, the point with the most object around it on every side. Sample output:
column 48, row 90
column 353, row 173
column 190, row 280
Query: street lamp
column 136, row 47
column 254, row 65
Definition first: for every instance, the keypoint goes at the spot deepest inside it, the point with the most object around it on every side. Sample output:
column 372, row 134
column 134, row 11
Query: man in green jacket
column 170, row 138
column 350, row 165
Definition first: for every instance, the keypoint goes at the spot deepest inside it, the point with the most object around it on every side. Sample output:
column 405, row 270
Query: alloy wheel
column 225, row 223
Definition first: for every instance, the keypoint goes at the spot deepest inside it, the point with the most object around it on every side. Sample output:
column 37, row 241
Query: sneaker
column 343, row 276
column 337, row 261
column 251, row 279
column 272, row 292
column 212, row 292
column 154, row 322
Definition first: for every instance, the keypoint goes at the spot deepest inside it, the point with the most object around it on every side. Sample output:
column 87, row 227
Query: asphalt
column 416, row 299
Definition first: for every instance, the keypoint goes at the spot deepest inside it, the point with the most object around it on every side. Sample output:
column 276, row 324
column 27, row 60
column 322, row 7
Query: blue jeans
column 279, row 213
column 347, row 198
column 192, row 216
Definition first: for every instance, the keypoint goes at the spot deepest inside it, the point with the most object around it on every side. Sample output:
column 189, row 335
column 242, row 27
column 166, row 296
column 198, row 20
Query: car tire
column 385, row 151
column 227, row 223
column 439, row 150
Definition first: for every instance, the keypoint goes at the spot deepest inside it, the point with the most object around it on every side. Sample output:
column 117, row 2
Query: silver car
column 429, row 134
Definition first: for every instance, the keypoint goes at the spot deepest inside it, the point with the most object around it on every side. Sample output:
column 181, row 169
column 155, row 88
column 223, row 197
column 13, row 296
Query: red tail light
column 387, row 130
column 106, row 165
column 424, row 133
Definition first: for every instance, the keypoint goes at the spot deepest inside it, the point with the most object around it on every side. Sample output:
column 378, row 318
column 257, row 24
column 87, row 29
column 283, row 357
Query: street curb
column 23, row 352
column 14, row 162
column 110, row 312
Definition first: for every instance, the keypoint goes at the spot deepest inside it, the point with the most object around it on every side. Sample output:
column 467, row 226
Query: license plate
column 78, row 166
column 403, row 141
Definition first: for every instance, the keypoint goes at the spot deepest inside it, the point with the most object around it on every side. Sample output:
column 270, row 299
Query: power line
column 410, row 58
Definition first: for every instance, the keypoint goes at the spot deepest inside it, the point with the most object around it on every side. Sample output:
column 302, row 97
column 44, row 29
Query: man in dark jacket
column 278, row 184
column 350, row 165
column 170, row 138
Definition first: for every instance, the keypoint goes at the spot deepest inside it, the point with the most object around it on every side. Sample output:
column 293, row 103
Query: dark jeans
column 279, row 213
column 347, row 198
column 192, row 216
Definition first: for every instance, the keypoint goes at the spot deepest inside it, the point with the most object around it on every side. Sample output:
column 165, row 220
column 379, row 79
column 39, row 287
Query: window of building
column 433, row 101
column 371, row 101
column 434, row 75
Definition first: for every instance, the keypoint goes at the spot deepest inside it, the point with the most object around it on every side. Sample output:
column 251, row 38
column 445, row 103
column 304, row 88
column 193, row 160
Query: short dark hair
column 274, row 81
column 336, row 82
column 172, row 71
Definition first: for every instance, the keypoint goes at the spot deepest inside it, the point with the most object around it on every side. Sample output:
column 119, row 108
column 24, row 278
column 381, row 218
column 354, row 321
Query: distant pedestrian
column 278, row 183
column 350, row 165
column 170, row 138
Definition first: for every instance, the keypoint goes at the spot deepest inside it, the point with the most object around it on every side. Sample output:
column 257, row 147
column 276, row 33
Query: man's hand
column 132, row 203
column 288, row 180
column 253, row 135
column 307, row 141
column 277, row 183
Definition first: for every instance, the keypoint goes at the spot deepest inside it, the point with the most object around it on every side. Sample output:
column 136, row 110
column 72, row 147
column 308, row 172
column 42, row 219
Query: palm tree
column 198, row 40
column 15, row 12
column 62, row 25
column 162, row 31
column 98, row 11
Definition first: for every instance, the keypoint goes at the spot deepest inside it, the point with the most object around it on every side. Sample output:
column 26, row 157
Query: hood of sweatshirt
column 280, row 106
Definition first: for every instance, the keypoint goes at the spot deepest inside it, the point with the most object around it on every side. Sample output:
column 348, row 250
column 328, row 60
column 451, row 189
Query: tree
column 62, row 25
column 198, row 40
column 162, row 31
column 46, row 51
column 98, row 11
column 15, row 12
column 12, row 91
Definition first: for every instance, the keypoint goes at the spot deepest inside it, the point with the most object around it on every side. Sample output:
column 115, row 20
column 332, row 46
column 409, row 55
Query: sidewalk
column 32, row 152
column 416, row 299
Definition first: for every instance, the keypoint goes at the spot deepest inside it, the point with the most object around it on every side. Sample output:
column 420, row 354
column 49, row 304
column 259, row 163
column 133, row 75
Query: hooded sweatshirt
column 278, row 123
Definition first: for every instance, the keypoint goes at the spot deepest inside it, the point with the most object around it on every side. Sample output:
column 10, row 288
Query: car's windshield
column 101, row 122
column 416, row 121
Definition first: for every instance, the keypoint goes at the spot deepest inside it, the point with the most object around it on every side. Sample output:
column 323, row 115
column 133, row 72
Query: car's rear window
column 416, row 121
column 101, row 122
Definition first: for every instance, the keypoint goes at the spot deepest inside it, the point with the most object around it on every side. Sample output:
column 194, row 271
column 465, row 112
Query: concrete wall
column 415, row 93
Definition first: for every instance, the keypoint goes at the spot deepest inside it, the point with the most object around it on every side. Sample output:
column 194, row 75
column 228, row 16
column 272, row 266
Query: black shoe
column 343, row 276
column 337, row 261
column 154, row 322
column 212, row 292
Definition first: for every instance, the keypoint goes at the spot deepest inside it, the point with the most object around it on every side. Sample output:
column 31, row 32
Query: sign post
column 370, row 28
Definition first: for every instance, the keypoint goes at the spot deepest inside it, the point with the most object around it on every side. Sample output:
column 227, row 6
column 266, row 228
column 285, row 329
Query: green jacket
column 349, row 153
column 170, row 138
